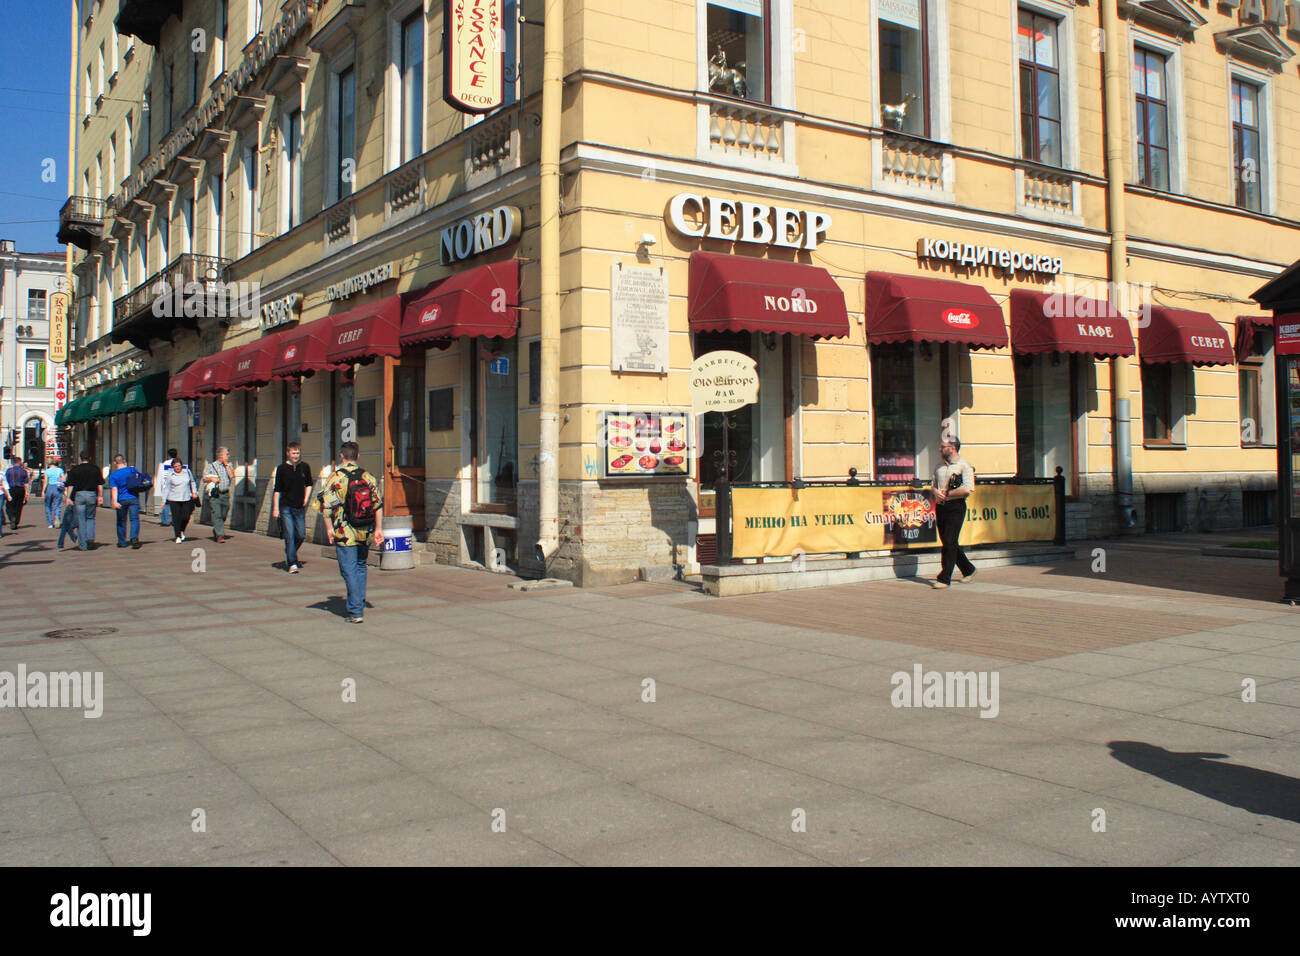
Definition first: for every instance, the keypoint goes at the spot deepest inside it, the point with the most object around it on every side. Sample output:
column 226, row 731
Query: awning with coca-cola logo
column 303, row 351
column 365, row 332
column 744, row 294
column 902, row 308
column 214, row 377
column 1042, row 322
column 1181, row 335
column 479, row 301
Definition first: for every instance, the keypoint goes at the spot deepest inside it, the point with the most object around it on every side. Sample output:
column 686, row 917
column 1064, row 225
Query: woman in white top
column 181, row 493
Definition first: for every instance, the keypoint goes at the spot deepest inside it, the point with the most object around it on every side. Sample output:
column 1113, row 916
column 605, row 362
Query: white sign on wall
column 638, row 298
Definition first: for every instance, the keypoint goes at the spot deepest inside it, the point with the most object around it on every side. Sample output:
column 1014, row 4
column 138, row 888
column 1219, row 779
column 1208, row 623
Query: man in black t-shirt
column 293, row 484
column 83, row 486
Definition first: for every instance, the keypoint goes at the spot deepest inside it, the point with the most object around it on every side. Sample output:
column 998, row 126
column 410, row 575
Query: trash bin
column 398, row 536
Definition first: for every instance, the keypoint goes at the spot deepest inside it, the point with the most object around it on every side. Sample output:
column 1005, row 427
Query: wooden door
column 404, row 438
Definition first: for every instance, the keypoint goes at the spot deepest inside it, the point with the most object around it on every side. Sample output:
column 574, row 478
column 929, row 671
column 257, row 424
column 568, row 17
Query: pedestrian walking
column 54, row 476
column 954, row 481
column 4, row 487
column 219, row 479
column 18, row 478
column 180, row 493
column 293, row 484
column 69, row 524
column 164, row 509
column 85, row 490
column 354, row 515
column 127, row 485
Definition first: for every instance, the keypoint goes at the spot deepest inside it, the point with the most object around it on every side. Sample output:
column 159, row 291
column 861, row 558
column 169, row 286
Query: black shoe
column 135, row 543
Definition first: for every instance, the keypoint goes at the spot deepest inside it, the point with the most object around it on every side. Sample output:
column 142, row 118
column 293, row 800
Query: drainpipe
column 1116, row 67
column 548, row 474
column 71, row 168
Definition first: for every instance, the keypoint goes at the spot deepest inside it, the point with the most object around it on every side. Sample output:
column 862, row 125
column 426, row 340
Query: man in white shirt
column 954, row 481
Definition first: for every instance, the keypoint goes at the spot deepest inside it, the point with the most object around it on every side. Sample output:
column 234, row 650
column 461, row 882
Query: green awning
column 148, row 392
column 107, row 402
column 67, row 415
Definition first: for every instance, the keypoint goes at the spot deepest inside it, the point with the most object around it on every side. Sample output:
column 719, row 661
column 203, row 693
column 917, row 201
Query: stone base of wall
column 1207, row 503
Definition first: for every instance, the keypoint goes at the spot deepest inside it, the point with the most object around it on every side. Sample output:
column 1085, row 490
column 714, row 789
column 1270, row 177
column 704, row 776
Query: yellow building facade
column 934, row 172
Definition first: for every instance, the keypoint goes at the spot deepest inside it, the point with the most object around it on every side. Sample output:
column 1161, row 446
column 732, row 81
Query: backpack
column 138, row 482
column 359, row 500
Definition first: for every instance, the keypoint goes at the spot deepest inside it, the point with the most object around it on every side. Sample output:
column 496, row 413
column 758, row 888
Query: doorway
column 404, row 437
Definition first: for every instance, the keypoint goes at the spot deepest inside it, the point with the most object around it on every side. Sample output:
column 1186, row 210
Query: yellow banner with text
column 774, row 522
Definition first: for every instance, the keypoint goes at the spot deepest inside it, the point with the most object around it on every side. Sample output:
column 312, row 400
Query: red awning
column 479, row 301
column 182, row 383
column 253, row 362
column 1058, row 323
column 902, row 308
column 745, row 294
column 365, row 332
column 1246, row 325
column 214, row 377
column 1180, row 335
column 303, row 351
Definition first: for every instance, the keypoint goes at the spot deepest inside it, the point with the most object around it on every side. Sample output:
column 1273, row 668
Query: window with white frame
column 254, row 19
column 219, row 37
column 87, row 100
column 903, row 65
column 248, row 212
column 407, row 84
column 737, row 44
column 291, row 169
column 99, row 88
column 1248, row 158
column 128, row 157
column 1156, row 103
column 342, row 132
column 99, row 175
column 187, row 221
column 112, row 163
column 164, row 228
column 1041, row 125
column 216, row 207
column 115, row 54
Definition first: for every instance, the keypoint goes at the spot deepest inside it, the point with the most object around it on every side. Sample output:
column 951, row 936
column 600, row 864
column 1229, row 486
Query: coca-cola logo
column 207, row 375
column 290, row 352
column 961, row 318
column 430, row 314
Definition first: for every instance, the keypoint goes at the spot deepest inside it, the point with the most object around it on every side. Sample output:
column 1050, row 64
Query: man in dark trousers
column 85, row 493
column 18, row 478
column 293, row 484
column 954, row 481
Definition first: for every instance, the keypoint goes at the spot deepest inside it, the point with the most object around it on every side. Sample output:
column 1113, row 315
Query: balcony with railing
column 190, row 289
column 747, row 133
column 81, row 221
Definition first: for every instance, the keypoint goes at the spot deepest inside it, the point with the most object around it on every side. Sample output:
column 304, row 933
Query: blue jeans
column 68, row 526
column 53, row 500
column 352, row 565
column 293, row 524
column 86, row 506
column 130, row 510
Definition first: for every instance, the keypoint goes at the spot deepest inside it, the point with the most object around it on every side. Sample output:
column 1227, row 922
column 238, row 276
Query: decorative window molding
column 398, row 14
column 1171, row 50
column 1255, row 44
column 1262, row 80
column 1173, row 16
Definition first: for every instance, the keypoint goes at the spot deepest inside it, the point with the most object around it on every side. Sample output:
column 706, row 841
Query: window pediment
column 1174, row 15
column 1256, row 42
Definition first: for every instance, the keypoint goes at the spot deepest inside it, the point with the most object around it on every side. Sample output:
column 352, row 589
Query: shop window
column 911, row 395
column 1163, row 403
column 1040, row 89
column 441, row 408
column 367, row 418
column 1247, row 152
column 1255, row 392
column 727, row 439
column 1151, row 117
column 904, row 66
column 496, row 420
column 1046, row 413
column 737, row 44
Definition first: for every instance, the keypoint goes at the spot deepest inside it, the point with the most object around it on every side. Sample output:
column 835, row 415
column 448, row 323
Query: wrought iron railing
column 184, row 270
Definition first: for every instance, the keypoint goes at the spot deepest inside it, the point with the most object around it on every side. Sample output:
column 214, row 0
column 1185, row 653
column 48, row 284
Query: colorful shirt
column 336, row 489
column 225, row 474
column 18, row 477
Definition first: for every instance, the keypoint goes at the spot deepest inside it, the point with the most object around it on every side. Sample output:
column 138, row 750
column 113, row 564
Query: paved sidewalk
column 223, row 693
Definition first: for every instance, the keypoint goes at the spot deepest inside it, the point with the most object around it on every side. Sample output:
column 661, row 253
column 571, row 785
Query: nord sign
column 477, row 234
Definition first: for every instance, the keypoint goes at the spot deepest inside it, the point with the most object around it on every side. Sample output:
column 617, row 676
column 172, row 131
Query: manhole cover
column 79, row 632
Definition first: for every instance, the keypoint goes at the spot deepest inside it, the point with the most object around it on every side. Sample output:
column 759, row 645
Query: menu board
column 641, row 444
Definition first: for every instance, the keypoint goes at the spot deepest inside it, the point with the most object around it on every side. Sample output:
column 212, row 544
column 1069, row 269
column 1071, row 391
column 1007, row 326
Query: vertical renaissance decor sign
column 473, row 54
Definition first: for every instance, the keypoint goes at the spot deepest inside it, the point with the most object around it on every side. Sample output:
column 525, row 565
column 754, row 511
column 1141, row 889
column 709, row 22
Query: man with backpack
column 354, row 514
column 127, row 485
column 17, row 478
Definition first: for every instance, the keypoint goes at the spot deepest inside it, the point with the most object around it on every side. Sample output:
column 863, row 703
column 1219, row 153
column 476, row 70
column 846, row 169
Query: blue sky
column 34, row 51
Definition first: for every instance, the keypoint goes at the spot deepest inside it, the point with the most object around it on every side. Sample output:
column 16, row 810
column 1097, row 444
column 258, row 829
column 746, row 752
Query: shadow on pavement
column 1259, row 791
column 1242, row 578
column 335, row 605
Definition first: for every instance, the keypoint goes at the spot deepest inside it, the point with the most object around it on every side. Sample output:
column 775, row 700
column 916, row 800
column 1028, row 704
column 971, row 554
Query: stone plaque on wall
column 638, row 319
